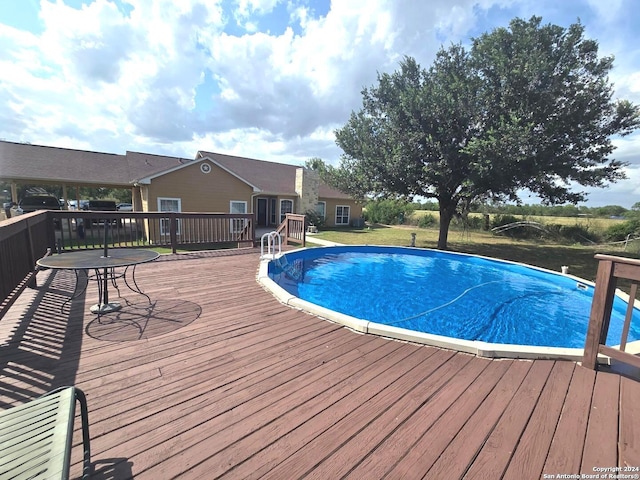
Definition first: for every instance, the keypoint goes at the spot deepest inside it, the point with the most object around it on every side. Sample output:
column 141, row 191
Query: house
column 211, row 182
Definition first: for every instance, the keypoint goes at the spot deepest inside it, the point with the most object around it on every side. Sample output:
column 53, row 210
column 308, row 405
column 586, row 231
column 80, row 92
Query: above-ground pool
column 447, row 294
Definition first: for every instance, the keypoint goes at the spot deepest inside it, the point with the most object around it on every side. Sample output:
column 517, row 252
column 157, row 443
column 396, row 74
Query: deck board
column 630, row 424
column 533, row 447
column 601, row 442
column 402, row 439
column 567, row 456
column 460, row 453
column 320, row 439
column 217, row 379
column 380, row 422
column 426, row 451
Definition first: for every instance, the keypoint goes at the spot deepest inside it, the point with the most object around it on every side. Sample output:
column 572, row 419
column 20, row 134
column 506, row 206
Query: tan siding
column 200, row 192
column 332, row 203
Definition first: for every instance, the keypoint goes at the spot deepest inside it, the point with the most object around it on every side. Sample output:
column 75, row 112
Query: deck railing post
column 286, row 229
column 32, row 257
column 173, row 231
column 304, row 230
column 600, row 316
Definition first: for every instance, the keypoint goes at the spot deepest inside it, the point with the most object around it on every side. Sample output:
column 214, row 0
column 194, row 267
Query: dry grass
column 592, row 223
column 552, row 256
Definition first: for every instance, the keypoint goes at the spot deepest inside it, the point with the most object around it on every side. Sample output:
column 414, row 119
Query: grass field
column 579, row 258
column 595, row 223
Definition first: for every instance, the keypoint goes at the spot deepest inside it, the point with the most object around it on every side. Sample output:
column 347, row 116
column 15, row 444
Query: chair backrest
column 36, row 438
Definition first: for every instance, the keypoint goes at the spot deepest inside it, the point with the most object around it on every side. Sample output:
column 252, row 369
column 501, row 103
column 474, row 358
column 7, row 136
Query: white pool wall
column 475, row 347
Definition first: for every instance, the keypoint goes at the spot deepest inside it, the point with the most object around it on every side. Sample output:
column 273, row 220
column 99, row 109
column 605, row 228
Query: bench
column 36, row 438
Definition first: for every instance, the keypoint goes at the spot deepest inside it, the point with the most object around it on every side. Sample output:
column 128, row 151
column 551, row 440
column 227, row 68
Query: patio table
column 103, row 262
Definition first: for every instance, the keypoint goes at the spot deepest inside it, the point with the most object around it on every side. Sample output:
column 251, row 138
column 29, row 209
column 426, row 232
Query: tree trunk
column 446, row 214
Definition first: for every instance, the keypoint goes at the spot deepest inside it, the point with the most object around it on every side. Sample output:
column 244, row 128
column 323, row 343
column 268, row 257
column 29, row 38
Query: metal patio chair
column 36, row 438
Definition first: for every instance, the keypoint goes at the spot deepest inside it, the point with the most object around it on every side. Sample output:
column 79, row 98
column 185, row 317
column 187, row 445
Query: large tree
column 528, row 107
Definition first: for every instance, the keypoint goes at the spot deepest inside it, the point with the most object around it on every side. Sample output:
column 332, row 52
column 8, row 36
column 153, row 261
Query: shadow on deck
column 215, row 378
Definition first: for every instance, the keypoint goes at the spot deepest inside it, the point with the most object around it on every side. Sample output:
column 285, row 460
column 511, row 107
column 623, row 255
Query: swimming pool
column 419, row 294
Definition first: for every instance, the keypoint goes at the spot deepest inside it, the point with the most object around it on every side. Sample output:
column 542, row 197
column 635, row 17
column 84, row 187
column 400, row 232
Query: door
column 262, row 212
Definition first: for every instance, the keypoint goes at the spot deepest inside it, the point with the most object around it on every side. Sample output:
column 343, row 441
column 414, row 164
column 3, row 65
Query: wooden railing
column 23, row 240
column 293, row 228
column 610, row 269
column 174, row 230
column 26, row 238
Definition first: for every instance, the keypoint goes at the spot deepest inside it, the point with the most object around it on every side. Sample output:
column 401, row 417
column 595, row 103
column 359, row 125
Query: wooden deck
column 218, row 379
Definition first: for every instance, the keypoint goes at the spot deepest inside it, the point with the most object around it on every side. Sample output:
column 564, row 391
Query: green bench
column 36, row 438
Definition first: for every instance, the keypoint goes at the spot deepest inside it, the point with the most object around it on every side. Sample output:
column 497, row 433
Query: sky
column 265, row 79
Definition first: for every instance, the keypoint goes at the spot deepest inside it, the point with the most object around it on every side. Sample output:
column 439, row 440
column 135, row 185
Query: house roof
column 147, row 165
column 269, row 177
column 38, row 163
column 25, row 162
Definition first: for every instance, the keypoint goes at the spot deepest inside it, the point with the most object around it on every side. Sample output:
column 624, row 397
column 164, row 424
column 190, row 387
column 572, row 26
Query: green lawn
column 552, row 256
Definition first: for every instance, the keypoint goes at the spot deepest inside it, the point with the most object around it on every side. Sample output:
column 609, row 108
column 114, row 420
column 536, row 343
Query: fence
column 173, row 230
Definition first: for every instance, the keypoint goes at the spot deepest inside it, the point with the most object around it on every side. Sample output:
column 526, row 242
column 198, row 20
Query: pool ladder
column 271, row 244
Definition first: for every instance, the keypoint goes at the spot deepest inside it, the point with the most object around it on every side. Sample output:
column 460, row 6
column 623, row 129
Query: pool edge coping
column 474, row 347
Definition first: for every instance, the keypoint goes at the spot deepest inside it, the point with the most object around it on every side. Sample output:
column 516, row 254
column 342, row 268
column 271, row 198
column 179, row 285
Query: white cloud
column 246, row 8
column 113, row 76
column 91, row 43
column 608, row 11
column 624, row 193
column 627, row 85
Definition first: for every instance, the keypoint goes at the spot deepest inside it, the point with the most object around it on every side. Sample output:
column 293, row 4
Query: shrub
column 387, row 211
column 426, row 221
column 578, row 234
column 470, row 223
column 315, row 219
column 619, row 231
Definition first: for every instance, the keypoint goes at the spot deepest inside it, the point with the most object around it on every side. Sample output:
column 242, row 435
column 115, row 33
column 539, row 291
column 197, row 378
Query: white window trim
column 325, row 209
column 236, row 225
column 348, row 216
column 282, row 200
column 238, row 201
column 163, row 228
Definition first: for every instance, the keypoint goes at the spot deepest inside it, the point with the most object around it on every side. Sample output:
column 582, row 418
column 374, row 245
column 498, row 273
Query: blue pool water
column 447, row 294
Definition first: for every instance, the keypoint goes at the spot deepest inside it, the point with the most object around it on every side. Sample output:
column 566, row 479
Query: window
column 237, row 224
column 168, row 205
column 286, row 206
column 342, row 215
column 321, row 209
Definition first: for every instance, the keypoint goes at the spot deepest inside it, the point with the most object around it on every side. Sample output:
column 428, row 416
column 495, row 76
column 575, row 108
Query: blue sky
column 267, row 79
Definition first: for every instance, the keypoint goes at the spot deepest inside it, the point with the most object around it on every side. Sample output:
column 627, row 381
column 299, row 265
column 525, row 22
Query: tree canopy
column 525, row 107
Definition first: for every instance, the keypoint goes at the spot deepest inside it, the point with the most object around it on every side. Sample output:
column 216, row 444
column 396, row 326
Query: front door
column 262, row 212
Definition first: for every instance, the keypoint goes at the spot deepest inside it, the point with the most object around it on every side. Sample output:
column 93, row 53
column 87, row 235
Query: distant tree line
column 606, row 211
